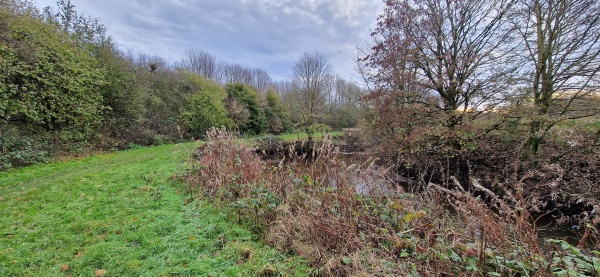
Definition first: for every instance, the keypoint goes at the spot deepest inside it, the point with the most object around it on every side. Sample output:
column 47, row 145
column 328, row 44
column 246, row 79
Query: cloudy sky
column 269, row 34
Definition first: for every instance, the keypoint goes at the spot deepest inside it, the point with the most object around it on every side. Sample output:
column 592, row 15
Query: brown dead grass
column 352, row 220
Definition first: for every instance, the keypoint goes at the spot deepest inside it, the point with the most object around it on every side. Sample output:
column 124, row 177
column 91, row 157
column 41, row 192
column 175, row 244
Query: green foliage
column 312, row 129
column 87, row 31
column 570, row 261
column 261, row 203
column 19, row 151
column 343, row 117
column 205, row 108
column 257, row 122
column 276, row 113
column 121, row 95
column 45, row 82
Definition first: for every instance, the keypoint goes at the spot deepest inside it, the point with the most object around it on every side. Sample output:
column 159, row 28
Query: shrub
column 19, row 151
column 256, row 123
column 45, row 82
column 205, row 108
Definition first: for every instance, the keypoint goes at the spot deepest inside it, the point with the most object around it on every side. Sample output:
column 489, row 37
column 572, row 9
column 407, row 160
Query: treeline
column 65, row 87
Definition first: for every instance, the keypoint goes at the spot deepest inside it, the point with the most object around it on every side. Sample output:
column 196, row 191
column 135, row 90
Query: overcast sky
column 268, row 34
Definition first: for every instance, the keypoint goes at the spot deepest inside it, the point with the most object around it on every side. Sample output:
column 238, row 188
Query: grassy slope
column 98, row 213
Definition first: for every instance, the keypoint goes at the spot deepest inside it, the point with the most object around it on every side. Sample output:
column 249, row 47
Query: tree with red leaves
column 446, row 60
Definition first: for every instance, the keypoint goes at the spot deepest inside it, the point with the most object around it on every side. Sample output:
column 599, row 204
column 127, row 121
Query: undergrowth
column 352, row 220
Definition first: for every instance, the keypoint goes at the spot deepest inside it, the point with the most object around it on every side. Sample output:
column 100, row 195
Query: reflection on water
column 548, row 229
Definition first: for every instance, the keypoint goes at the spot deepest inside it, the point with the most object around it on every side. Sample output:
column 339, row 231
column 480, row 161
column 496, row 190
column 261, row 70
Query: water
column 549, row 229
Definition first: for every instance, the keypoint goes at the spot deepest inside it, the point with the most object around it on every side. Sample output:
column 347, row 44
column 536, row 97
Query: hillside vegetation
column 66, row 88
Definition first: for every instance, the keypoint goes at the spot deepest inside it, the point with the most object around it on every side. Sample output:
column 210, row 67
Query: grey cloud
column 270, row 34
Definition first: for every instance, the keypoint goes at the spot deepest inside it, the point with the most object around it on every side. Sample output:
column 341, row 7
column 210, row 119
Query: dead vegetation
column 349, row 219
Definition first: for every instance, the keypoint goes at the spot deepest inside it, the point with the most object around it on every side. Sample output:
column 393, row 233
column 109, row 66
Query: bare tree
column 85, row 29
column 234, row 73
column 561, row 47
column 261, row 80
column 312, row 81
column 201, row 62
column 347, row 94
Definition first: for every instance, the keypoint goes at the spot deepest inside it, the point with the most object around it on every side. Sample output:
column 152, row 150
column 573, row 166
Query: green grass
column 99, row 213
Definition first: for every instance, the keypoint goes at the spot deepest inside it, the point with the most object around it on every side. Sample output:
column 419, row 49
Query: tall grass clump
column 352, row 219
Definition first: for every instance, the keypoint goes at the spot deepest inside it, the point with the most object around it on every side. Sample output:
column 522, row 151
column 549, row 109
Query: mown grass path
column 122, row 213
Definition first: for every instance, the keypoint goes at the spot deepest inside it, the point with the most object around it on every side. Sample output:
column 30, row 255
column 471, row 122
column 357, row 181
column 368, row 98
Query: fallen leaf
column 203, row 256
column 100, row 272
column 239, row 262
column 135, row 218
column 98, row 186
column 14, row 262
column 101, row 237
column 64, row 267
column 185, row 265
column 10, row 236
column 191, row 238
column 13, row 226
column 117, row 232
column 79, row 254
column 217, row 254
column 471, row 252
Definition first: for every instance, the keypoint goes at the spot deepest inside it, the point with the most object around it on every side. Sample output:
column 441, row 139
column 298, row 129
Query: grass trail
column 123, row 213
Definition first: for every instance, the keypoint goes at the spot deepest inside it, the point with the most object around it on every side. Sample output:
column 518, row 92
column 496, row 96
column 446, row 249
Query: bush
column 205, row 108
column 18, row 151
column 256, row 123
column 45, row 82
column 276, row 113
